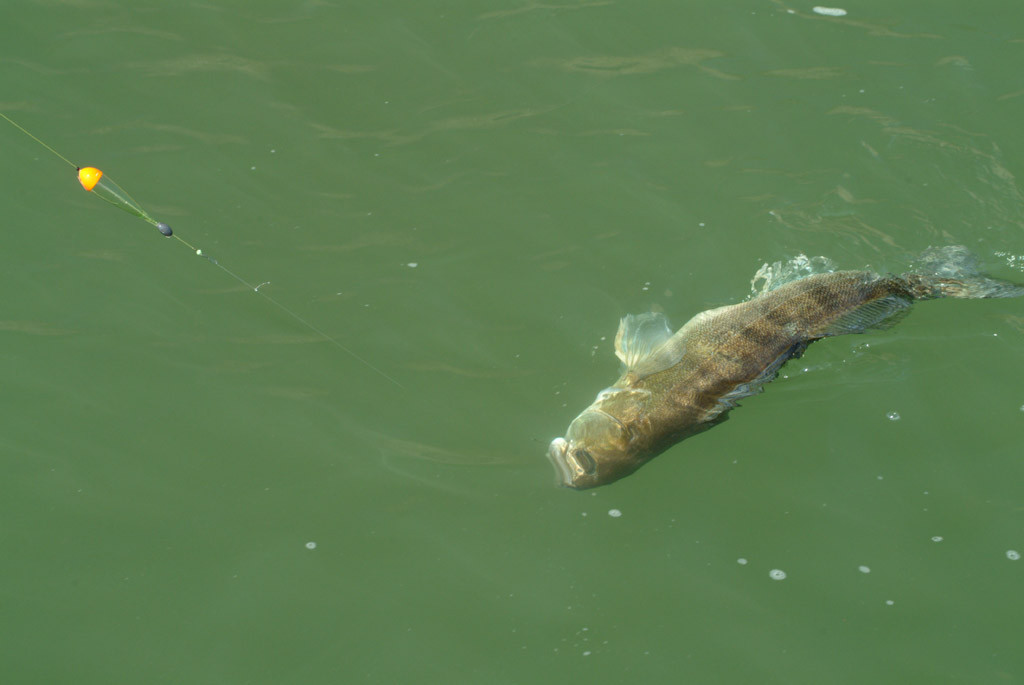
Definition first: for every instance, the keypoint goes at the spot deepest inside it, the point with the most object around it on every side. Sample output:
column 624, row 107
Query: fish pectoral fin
column 640, row 343
column 756, row 385
column 878, row 314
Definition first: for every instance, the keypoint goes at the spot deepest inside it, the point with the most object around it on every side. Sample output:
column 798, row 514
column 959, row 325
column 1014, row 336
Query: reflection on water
column 623, row 65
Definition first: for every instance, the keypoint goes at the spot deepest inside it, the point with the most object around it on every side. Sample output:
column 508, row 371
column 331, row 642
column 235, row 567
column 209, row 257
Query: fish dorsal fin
column 641, row 343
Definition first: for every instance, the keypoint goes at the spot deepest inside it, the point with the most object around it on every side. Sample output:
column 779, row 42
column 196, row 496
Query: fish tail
column 952, row 271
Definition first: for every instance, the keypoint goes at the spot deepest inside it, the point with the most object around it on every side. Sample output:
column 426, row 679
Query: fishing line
column 94, row 181
column 23, row 130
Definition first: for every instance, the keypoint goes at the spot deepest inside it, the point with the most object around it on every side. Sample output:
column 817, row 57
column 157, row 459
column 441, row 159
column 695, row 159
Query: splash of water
column 771, row 276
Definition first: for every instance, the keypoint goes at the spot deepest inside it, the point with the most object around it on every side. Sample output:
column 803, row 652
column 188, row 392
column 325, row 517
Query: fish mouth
column 558, row 456
column 574, row 469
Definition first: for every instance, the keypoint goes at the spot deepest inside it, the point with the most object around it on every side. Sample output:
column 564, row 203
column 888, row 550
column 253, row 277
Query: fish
column 676, row 385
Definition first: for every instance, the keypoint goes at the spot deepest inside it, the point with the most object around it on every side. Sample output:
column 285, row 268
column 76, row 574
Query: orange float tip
column 89, row 177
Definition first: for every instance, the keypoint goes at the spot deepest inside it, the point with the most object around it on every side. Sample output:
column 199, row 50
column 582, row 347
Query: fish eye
column 584, row 459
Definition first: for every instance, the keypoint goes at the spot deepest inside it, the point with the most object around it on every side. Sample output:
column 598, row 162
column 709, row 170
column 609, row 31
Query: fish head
column 597, row 449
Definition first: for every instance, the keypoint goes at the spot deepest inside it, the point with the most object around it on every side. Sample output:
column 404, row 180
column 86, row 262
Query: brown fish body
column 677, row 385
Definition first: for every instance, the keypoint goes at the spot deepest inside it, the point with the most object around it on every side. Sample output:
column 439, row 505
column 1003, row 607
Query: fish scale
column 677, row 385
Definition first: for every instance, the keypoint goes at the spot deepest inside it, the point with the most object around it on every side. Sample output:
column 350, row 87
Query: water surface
column 469, row 196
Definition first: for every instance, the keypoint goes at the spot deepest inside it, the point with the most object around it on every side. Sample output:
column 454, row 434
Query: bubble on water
column 412, row 265
column 889, row 602
column 586, row 653
column 1012, row 554
column 741, row 561
column 936, row 538
column 893, row 416
column 614, row 513
column 777, row 574
column 830, row 11
column 311, row 545
column 864, row 569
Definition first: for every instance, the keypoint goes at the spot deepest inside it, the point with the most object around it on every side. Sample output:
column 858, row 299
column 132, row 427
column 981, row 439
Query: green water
column 468, row 196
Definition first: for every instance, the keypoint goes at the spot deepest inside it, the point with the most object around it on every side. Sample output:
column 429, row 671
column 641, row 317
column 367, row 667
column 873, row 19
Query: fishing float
column 102, row 186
